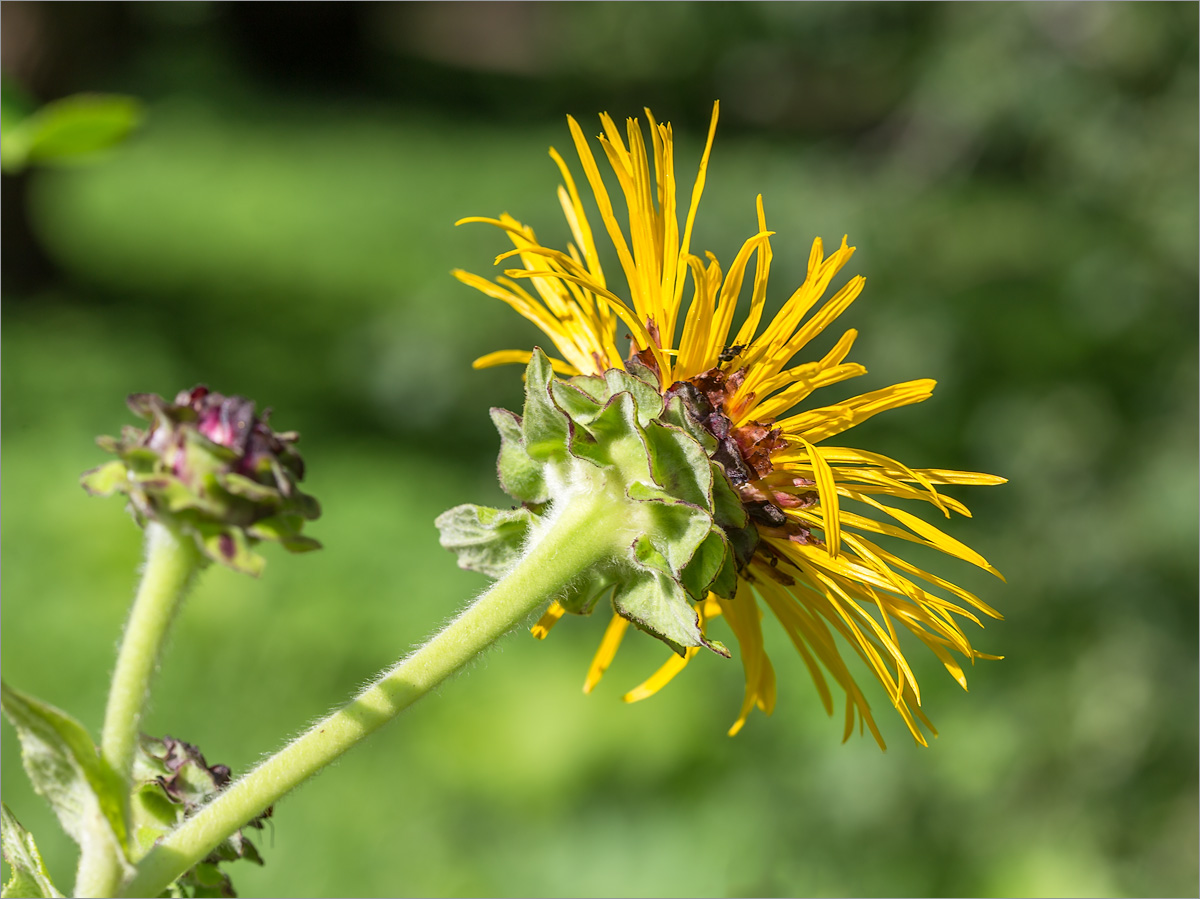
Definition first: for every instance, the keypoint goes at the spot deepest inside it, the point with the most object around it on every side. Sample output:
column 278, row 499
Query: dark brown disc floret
column 745, row 452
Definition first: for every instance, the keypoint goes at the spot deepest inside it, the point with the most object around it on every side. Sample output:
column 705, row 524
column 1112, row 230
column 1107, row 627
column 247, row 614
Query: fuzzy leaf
column 485, row 539
column 676, row 413
column 581, row 597
column 676, row 528
column 728, row 510
column 649, row 401
column 65, row 768
column 679, row 464
column 544, row 426
column 29, row 878
column 649, row 557
column 706, row 563
column 594, row 386
column 725, row 583
column 520, row 476
column 614, row 438
column 643, row 372
column 578, row 405
column 657, row 604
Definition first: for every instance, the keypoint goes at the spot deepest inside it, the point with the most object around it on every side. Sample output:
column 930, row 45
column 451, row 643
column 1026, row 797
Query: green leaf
column 579, row 405
column 581, row 597
column 676, row 413
column 679, row 464
column 728, row 510
column 544, row 426
column 594, row 386
column 649, row 401
column 485, row 539
column 643, row 372
column 29, row 878
column 520, row 476
column 675, row 527
column 725, row 583
column 65, row 768
column 614, row 438
column 706, row 563
column 649, row 557
column 80, row 125
column 657, row 604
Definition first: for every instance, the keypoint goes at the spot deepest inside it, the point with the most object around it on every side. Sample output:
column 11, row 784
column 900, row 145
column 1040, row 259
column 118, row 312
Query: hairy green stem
column 171, row 564
column 580, row 536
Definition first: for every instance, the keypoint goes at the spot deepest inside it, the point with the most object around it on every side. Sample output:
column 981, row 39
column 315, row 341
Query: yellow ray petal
column 828, row 421
column 827, row 491
column 697, row 190
column 661, row 677
column 758, row 298
column 547, row 621
column 504, row 357
column 606, row 652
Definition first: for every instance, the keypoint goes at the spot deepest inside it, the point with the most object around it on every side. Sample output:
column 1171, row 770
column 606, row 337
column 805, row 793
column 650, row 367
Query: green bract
column 670, row 514
column 209, row 468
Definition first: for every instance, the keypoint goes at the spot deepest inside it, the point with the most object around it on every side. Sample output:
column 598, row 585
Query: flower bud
column 171, row 781
column 209, row 467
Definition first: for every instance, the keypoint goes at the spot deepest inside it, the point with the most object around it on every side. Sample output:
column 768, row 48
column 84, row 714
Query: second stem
column 171, row 564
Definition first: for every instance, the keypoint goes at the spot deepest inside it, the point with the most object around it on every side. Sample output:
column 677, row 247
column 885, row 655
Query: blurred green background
column 1021, row 181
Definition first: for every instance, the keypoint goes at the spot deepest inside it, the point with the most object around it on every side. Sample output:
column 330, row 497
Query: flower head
column 810, row 513
column 213, row 469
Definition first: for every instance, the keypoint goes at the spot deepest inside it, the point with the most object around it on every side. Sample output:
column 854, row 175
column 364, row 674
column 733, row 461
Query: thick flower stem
column 171, row 564
column 579, row 537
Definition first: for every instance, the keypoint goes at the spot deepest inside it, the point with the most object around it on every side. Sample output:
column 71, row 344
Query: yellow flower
column 817, row 508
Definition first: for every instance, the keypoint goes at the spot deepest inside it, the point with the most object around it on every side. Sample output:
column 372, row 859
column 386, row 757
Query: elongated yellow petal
column 660, row 678
column 758, row 298
column 547, row 621
column 829, row 421
column 697, row 190
column 827, row 491
column 606, row 652
column 522, row 357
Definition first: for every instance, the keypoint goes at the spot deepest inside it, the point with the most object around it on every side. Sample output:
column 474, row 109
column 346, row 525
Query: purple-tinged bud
column 172, row 781
column 210, row 467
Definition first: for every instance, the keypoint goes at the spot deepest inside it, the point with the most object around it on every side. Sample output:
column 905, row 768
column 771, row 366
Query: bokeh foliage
column 1021, row 181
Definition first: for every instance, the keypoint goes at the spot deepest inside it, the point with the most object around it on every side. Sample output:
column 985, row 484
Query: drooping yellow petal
column 660, row 678
column 606, row 652
column 547, row 621
column 743, row 616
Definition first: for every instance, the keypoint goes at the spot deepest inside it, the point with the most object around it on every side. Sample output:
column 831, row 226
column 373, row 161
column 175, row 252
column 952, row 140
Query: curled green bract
column 671, row 516
column 210, row 468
